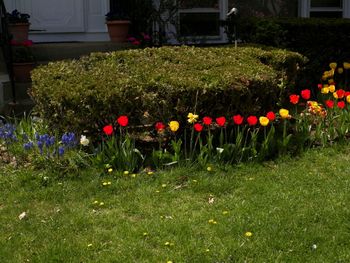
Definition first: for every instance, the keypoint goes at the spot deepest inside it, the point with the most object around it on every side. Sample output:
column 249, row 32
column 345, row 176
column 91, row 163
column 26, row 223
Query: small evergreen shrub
column 320, row 40
column 161, row 83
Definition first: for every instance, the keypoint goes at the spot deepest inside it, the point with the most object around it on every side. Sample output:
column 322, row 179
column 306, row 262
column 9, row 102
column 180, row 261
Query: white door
column 64, row 20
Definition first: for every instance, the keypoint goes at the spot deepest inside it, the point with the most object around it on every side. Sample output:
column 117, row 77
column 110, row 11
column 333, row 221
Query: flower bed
column 201, row 139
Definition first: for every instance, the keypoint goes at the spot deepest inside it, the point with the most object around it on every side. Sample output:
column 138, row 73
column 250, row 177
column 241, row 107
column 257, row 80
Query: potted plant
column 118, row 26
column 18, row 25
column 23, row 60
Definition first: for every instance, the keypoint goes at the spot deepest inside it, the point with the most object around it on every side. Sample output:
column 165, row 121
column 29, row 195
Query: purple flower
column 60, row 151
column 69, row 140
column 27, row 146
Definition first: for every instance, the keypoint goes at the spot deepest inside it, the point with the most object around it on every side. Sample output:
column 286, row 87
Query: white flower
column 84, row 141
column 220, row 150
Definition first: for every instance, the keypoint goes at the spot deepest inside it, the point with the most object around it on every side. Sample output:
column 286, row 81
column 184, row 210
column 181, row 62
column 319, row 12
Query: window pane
column 199, row 4
column 326, row 14
column 326, row 3
column 199, row 24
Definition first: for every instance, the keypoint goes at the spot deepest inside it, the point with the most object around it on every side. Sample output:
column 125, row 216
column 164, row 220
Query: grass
column 289, row 205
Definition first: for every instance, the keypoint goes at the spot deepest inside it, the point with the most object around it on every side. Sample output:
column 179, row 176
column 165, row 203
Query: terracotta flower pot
column 118, row 30
column 21, row 71
column 19, row 31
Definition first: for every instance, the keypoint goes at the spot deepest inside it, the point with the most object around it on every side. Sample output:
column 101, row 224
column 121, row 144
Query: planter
column 21, row 71
column 19, row 31
column 118, row 30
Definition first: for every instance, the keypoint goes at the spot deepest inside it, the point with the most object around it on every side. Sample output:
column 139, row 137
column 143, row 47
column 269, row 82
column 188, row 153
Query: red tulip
column 306, row 94
column 123, row 120
column 198, row 127
column 294, row 99
column 108, row 129
column 252, row 120
column 271, row 116
column 160, row 126
column 238, row 119
column 340, row 93
column 221, row 121
column 207, row 120
column 341, row 104
column 329, row 103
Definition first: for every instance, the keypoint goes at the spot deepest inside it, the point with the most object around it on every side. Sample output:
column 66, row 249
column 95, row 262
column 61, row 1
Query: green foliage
column 161, row 83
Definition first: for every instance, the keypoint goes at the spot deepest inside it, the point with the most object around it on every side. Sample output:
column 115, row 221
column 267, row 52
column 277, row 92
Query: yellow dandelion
column 225, row 212
column 150, row 173
column 133, row 175
column 207, row 250
column 169, row 261
column 167, row 243
column 195, row 181
column 248, row 234
column 164, row 185
column 95, row 202
column 126, row 172
column 89, row 245
column 102, row 203
column 110, row 170
column 145, row 234
column 157, row 191
column 109, row 183
column 209, row 168
column 104, row 183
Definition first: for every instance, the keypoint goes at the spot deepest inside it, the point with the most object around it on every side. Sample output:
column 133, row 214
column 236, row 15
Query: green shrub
column 161, row 83
column 320, row 40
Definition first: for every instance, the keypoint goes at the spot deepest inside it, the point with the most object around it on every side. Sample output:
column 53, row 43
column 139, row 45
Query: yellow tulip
column 346, row 65
column 264, row 121
column 325, row 90
column 284, row 113
column 174, row 126
column 335, row 95
column 192, row 118
column 333, row 65
column 330, row 81
column 340, row 70
column 348, row 98
column 331, row 88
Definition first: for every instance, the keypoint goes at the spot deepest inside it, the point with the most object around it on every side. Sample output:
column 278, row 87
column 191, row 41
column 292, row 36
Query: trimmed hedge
column 161, row 83
column 321, row 40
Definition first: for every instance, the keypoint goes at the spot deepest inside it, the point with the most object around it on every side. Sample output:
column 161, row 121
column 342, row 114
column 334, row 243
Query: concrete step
column 18, row 109
column 61, row 51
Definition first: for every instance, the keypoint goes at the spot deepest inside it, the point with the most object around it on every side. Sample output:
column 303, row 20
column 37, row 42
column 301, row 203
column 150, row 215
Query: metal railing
column 5, row 44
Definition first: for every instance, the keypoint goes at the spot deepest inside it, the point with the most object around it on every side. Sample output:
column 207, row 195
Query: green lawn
column 296, row 209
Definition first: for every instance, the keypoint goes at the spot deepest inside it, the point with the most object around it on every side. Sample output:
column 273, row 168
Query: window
column 200, row 18
column 325, row 8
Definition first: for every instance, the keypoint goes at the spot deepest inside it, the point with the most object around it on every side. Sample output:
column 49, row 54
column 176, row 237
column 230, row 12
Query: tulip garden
column 207, row 189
